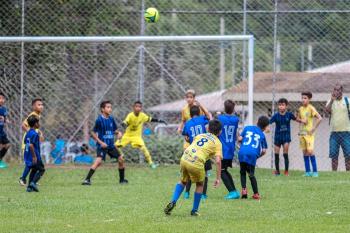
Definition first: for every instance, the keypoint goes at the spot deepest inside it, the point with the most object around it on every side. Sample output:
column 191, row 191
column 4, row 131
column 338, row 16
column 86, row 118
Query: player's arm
column 299, row 119
column 318, row 122
column 95, row 135
column 204, row 110
column 218, row 170
column 25, row 126
column 32, row 151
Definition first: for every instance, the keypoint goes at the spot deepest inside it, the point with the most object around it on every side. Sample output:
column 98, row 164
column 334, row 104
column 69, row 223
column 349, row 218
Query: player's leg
column 207, row 168
column 22, row 180
column 277, row 159
column 345, row 145
column 32, row 171
column 115, row 153
column 187, row 190
column 197, row 198
column 4, row 147
column 243, row 172
column 147, row 155
column 40, row 170
column 228, row 180
column 310, row 153
column 334, row 150
column 303, row 147
column 254, row 183
column 286, row 158
column 101, row 156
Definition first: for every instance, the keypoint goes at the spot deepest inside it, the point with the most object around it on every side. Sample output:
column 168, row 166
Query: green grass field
column 289, row 204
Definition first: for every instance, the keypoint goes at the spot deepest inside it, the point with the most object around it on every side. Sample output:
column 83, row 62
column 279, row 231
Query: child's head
column 33, row 122
column 37, row 105
column 2, row 98
column 215, row 127
column 282, row 105
column 195, row 111
column 137, row 107
column 190, row 96
column 306, row 97
column 106, row 107
column 229, row 106
column 263, row 122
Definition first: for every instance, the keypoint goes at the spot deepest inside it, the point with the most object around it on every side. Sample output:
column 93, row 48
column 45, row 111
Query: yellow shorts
column 307, row 142
column 190, row 172
column 136, row 142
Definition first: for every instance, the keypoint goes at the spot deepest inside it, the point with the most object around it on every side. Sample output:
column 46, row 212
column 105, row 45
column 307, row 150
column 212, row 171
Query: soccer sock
column 286, row 161
column 227, row 179
column 313, row 163
column 91, row 172
column 277, row 162
column 205, row 187
column 254, row 184
column 177, row 192
column 25, row 172
column 307, row 163
column 188, row 186
column 121, row 174
column 196, row 201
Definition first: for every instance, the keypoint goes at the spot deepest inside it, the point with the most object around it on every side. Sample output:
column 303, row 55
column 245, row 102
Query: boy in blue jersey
column 32, row 156
column 253, row 146
column 4, row 142
column 103, row 133
column 228, row 140
column 282, row 137
column 193, row 127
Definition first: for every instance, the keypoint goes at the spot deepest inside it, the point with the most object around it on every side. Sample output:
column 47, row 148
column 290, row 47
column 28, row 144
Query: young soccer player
column 193, row 127
column 37, row 107
column 306, row 114
column 133, row 133
column 103, row 133
column 32, row 156
column 253, row 146
column 203, row 147
column 228, row 139
column 282, row 137
column 4, row 142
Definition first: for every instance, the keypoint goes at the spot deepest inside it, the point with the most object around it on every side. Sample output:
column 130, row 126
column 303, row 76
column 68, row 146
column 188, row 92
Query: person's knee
column 251, row 175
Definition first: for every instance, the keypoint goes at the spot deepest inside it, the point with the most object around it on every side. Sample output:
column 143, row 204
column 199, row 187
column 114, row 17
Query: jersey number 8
column 202, row 141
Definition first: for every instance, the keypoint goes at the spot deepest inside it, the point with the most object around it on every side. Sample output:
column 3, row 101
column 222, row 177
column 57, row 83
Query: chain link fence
column 299, row 45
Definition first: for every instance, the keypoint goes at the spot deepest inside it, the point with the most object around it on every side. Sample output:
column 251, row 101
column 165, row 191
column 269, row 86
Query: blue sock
column 307, row 163
column 177, row 192
column 313, row 163
column 25, row 172
column 196, row 201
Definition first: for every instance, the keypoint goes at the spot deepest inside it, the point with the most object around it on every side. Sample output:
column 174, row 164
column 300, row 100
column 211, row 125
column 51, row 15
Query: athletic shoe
column 232, row 195
column 195, row 213
column 154, row 166
column 3, row 164
column 276, row 173
column 244, row 193
column 125, row 181
column 34, row 187
column 187, row 195
column 29, row 189
column 307, row 174
column 256, row 196
column 22, row 181
column 286, row 173
column 204, row 197
column 315, row 174
column 169, row 208
column 86, row 182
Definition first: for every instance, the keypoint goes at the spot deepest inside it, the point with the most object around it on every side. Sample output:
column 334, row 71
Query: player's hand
column 103, row 145
column 216, row 183
column 311, row 132
column 196, row 102
column 35, row 160
column 119, row 135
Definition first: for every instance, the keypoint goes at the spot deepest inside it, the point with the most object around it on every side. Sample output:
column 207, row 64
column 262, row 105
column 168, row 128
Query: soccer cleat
column 232, row 195
column 286, row 173
column 204, row 197
column 34, row 187
column 169, row 208
column 154, row 166
column 256, row 196
column 186, row 195
column 3, row 165
column 29, row 189
column 276, row 173
column 244, row 193
column 315, row 174
column 307, row 174
column 22, row 181
column 195, row 213
column 125, row 181
column 86, row 182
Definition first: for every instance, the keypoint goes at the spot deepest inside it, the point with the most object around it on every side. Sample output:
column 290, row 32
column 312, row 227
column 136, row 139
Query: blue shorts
column 112, row 152
column 280, row 140
column 4, row 140
column 337, row 140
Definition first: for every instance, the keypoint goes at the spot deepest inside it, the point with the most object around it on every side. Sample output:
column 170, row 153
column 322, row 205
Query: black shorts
column 38, row 166
column 207, row 165
column 226, row 163
column 247, row 168
column 112, row 152
column 4, row 140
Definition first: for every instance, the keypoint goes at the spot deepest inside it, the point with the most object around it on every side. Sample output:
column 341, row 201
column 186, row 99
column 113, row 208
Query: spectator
column 338, row 107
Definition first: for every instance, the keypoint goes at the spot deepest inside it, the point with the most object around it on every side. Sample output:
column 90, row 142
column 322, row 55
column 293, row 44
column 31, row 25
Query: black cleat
column 29, row 189
column 125, row 181
column 169, row 208
column 33, row 186
column 86, row 182
column 195, row 213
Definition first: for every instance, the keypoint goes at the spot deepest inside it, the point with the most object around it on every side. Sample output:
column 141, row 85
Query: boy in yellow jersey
column 306, row 114
column 37, row 107
column 190, row 97
column 133, row 125
column 204, row 147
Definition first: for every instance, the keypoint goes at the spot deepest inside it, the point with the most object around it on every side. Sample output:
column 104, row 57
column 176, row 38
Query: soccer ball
column 151, row 15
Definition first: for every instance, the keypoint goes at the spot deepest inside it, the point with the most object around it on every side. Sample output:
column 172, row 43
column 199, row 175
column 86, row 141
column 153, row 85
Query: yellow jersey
column 25, row 122
column 135, row 124
column 185, row 113
column 204, row 147
column 307, row 113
